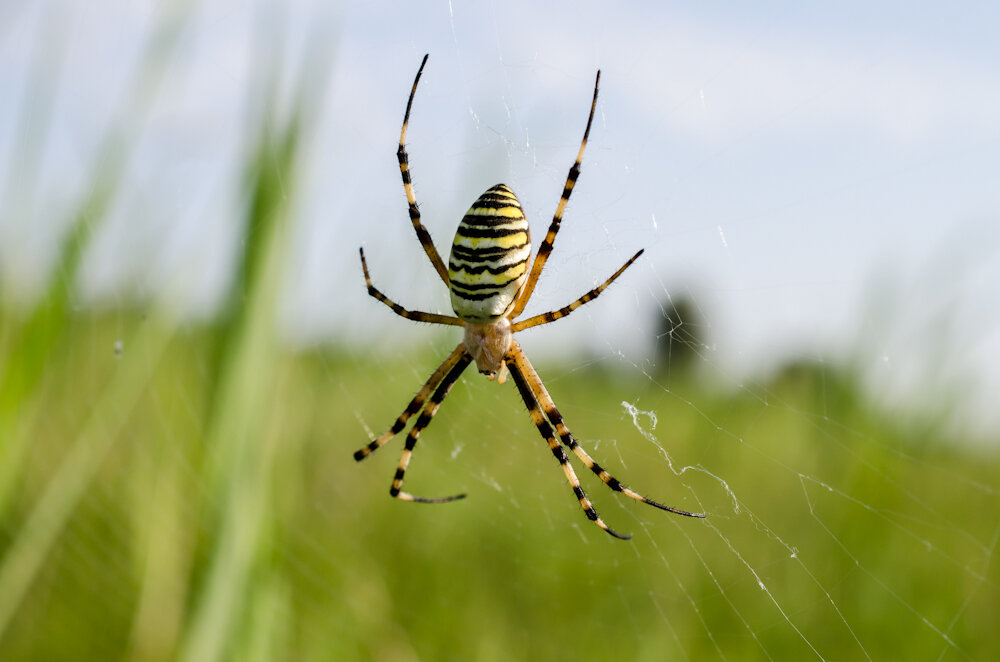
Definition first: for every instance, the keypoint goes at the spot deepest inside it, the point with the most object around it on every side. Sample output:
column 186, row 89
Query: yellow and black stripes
column 527, row 372
column 416, row 315
column 404, row 168
column 554, row 315
column 489, row 257
column 416, row 404
column 550, row 236
column 490, row 282
column 422, row 422
column 526, row 387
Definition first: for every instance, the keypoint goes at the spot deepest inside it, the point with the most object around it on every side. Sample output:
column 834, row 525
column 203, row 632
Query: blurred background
column 808, row 350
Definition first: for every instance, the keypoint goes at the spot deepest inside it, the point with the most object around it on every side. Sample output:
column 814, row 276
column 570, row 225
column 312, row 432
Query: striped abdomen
column 489, row 257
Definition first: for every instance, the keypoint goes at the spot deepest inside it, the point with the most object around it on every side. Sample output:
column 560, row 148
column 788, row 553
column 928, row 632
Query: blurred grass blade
column 237, row 477
column 242, row 428
column 30, row 549
column 36, row 340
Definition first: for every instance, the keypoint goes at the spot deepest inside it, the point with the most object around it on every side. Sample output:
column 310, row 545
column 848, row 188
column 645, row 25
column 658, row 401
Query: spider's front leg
column 411, row 198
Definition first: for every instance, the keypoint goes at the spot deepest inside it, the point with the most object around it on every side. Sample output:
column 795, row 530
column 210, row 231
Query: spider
column 490, row 284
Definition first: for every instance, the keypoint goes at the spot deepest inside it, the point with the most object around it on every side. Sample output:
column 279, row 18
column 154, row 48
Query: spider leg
column 422, row 422
column 545, row 429
column 549, row 407
column 550, row 236
column 404, row 168
column 552, row 316
column 419, row 316
column 415, row 404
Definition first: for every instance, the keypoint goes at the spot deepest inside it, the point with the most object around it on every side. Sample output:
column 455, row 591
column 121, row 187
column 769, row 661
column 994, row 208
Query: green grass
column 170, row 492
column 135, row 531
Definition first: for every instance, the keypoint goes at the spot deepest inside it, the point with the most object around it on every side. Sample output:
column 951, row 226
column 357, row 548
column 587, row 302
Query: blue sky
column 820, row 179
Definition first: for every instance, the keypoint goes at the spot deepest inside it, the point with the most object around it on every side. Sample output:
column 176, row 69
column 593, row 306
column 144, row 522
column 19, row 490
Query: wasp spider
column 490, row 282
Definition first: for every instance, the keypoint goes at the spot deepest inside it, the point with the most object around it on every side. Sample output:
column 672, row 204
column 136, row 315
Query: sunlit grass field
column 132, row 530
column 180, row 492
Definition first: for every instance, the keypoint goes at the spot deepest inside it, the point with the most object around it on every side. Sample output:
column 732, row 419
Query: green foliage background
column 178, row 492
column 133, row 530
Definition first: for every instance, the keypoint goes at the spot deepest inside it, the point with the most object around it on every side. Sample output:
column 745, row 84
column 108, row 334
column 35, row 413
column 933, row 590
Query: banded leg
column 552, row 316
column 550, row 236
column 415, row 404
column 419, row 316
column 422, row 422
column 528, row 395
column 549, row 407
column 404, row 168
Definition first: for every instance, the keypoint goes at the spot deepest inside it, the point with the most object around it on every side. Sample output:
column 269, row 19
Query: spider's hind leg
column 550, row 237
column 422, row 422
column 416, row 404
column 545, row 429
column 607, row 478
column 553, row 415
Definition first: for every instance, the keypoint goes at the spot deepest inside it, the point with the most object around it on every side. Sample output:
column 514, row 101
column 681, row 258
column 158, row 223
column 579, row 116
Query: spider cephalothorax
column 490, row 282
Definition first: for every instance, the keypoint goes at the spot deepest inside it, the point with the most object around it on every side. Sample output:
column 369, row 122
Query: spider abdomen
column 489, row 257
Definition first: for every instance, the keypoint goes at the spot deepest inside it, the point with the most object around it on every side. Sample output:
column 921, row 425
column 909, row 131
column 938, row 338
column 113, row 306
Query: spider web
column 806, row 351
